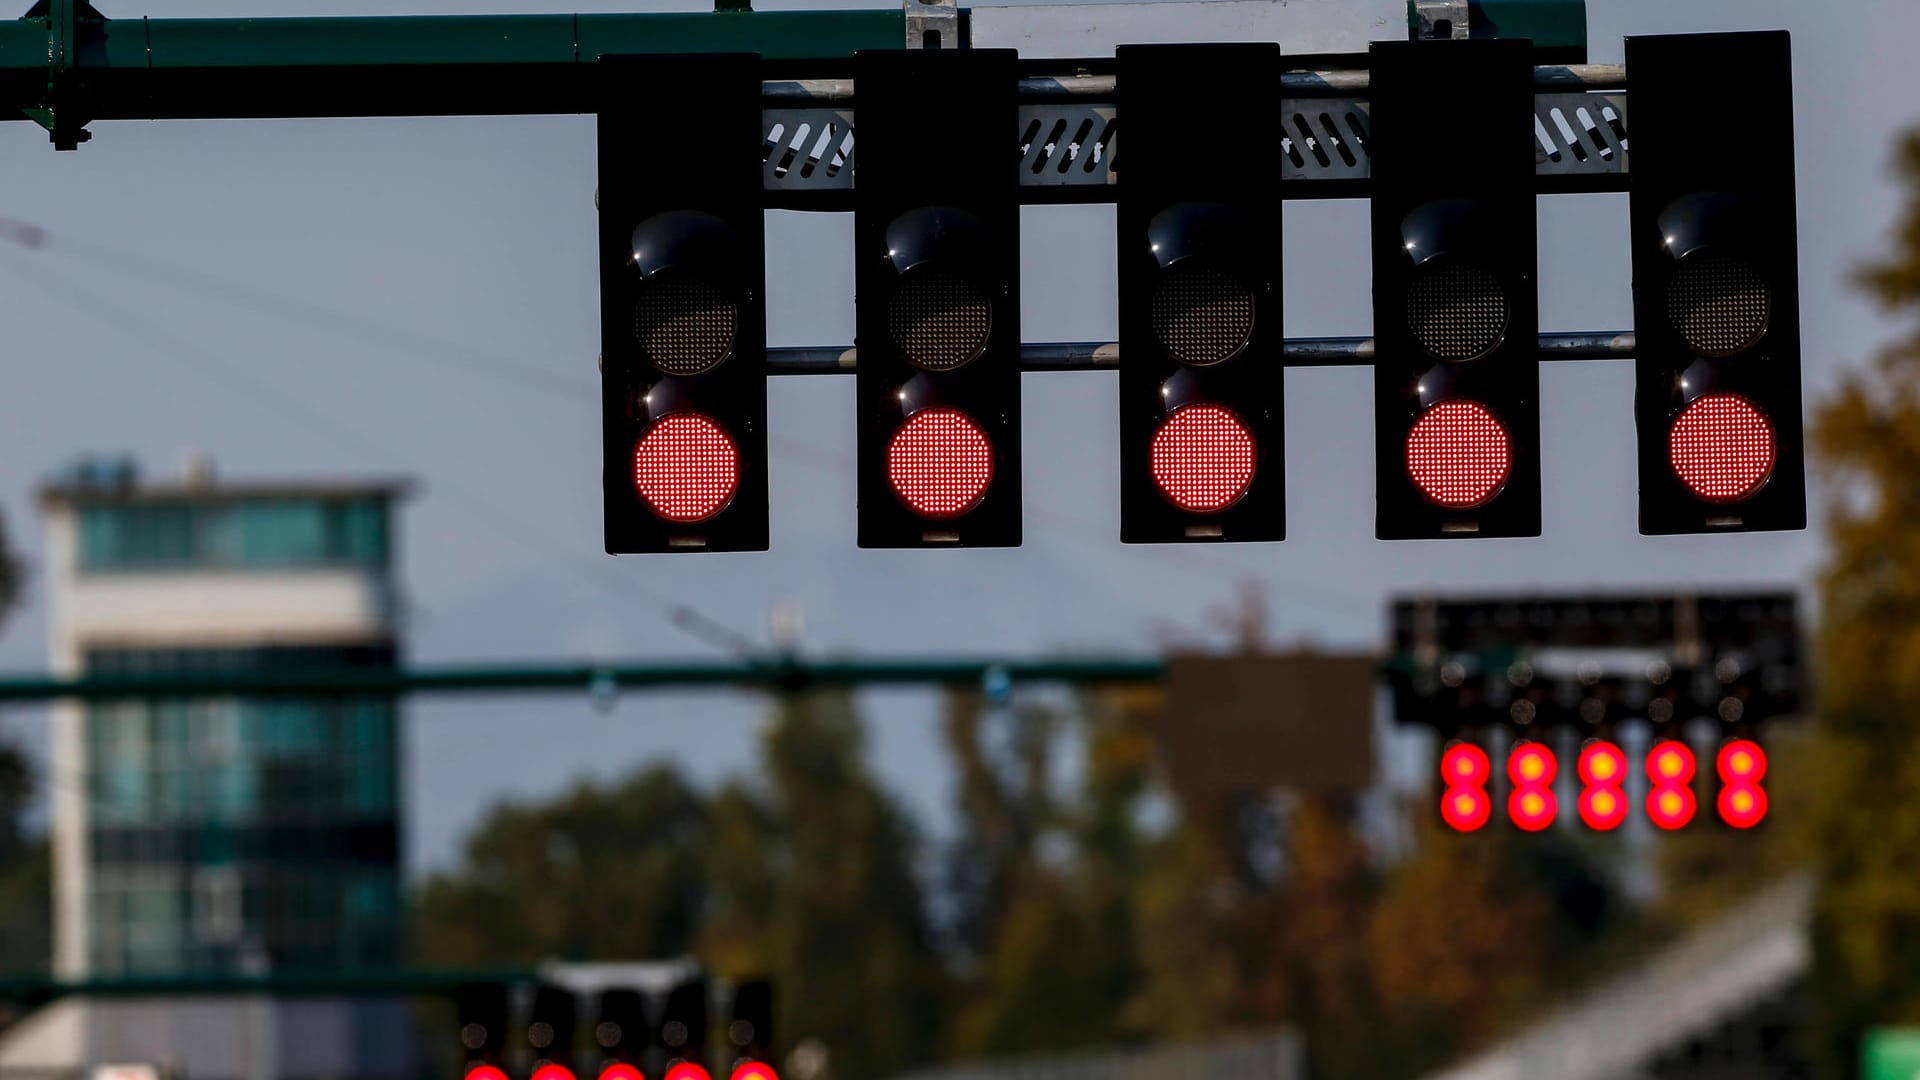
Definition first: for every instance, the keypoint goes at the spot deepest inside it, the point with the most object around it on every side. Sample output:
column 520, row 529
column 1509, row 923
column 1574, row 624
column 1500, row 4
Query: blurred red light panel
column 1465, row 809
column 687, row 1070
column 755, row 1070
column 1722, row 448
column 620, row 1070
column 1742, row 805
column 485, row 1072
column 1533, row 808
column 1532, row 765
column 1601, row 764
column 1671, row 806
column 1459, row 454
column 1465, row 764
column 551, row 1071
column 940, row 463
column 1203, row 458
column 686, row 468
column 1670, row 762
column 1603, row 808
column 1741, row 762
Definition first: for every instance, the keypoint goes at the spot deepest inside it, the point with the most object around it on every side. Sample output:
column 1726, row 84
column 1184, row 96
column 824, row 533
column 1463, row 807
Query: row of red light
column 940, row 462
column 1602, row 768
column 685, row 1070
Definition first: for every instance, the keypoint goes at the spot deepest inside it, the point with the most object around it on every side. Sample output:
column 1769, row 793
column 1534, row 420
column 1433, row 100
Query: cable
column 682, row 616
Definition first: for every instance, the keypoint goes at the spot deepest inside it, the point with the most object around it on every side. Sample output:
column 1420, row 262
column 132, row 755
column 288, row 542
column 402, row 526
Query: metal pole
column 1105, row 356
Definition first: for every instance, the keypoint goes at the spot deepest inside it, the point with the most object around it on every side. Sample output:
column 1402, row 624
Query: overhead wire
column 68, row 291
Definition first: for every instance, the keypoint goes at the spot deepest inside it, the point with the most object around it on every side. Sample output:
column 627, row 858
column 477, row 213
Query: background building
column 212, row 836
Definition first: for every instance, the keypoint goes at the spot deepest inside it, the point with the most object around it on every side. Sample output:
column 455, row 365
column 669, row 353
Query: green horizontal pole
column 345, row 983
column 140, row 68
column 775, row 673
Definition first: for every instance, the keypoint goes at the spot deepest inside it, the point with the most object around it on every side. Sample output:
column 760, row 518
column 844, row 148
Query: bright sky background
column 477, row 234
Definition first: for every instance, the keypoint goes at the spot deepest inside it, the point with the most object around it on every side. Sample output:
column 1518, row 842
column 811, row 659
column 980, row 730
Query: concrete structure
column 221, row 835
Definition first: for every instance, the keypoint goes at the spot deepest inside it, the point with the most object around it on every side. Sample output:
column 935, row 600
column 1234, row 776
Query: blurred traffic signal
column 481, row 1011
column 550, row 1029
column 620, row 1030
column 1201, row 376
column 750, row 1033
column 1532, row 768
column 1465, row 805
column 937, row 285
column 1455, row 309
column 1716, row 294
column 682, row 1033
column 1670, row 770
column 682, row 304
column 1742, row 765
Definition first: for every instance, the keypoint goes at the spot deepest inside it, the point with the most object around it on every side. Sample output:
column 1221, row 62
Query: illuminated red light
column 1670, row 763
column 1722, row 448
column 1532, row 765
column 1603, row 808
column 552, row 1072
column 940, row 463
column 620, row 1070
column 1203, row 458
column 1465, row 809
column 687, row 1070
column 1459, row 454
column 1741, row 762
column 1601, row 764
column 1465, row 765
column 485, row 1072
column 1533, row 808
column 686, row 468
column 1742, row 805
column 755, row 1070
column 1671, row 806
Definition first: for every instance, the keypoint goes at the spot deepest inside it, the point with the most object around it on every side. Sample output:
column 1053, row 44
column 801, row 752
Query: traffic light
column 1716, row 296
column 620, row 1030
column 1200, row 317
column 750, row 1033
column 550, row 1029
column 937, row 282
column 682, row 304
column 1455, row 306
column 481, row 1010
column 683, row 1025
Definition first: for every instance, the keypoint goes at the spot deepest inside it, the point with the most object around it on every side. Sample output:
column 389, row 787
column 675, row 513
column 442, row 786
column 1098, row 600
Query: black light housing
column 1201, row 370
column 1456, row 315
column 1716, row 286
column 683, row 307
column 937, row 250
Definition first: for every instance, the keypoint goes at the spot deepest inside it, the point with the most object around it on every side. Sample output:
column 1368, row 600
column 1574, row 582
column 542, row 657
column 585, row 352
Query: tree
column 847, row 935
column 602, row 873
column 1867, row 907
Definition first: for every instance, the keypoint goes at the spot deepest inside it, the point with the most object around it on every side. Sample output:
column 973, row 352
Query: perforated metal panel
column 1579, row 137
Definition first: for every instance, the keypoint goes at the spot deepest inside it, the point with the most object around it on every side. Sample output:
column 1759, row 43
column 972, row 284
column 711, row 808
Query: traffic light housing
column 937, row 282
column 750, row 1033
column 1455, row 305
column 682, row 304
column 682, row 1033
column 620, row 1026
column 1201, row 370
column 1716, row 297
column 481, row 1013
column 551, row 1026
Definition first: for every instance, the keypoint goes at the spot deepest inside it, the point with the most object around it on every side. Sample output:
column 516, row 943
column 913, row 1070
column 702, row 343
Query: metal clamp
column 1441, row 20
column 933, row 24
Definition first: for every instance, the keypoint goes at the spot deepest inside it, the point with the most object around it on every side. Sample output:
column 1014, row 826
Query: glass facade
column 254, row 534
column 242, row 833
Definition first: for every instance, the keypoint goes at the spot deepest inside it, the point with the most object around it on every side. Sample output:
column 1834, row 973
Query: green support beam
column 38, row 989
column 771, row 674
column 65, row 66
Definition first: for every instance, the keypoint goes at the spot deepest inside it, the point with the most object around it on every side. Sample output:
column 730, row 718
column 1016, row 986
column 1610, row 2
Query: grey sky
column 479, row 232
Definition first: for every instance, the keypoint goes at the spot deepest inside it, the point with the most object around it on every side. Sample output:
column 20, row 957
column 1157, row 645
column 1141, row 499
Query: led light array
column 1602, row 769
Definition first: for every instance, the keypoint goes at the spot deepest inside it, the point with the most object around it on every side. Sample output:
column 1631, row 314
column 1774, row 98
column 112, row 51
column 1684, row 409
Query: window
column 263, row 534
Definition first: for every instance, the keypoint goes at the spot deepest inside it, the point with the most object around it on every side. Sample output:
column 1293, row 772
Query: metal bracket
column 1441, row 20
column 63, row 115
column 933, row 24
